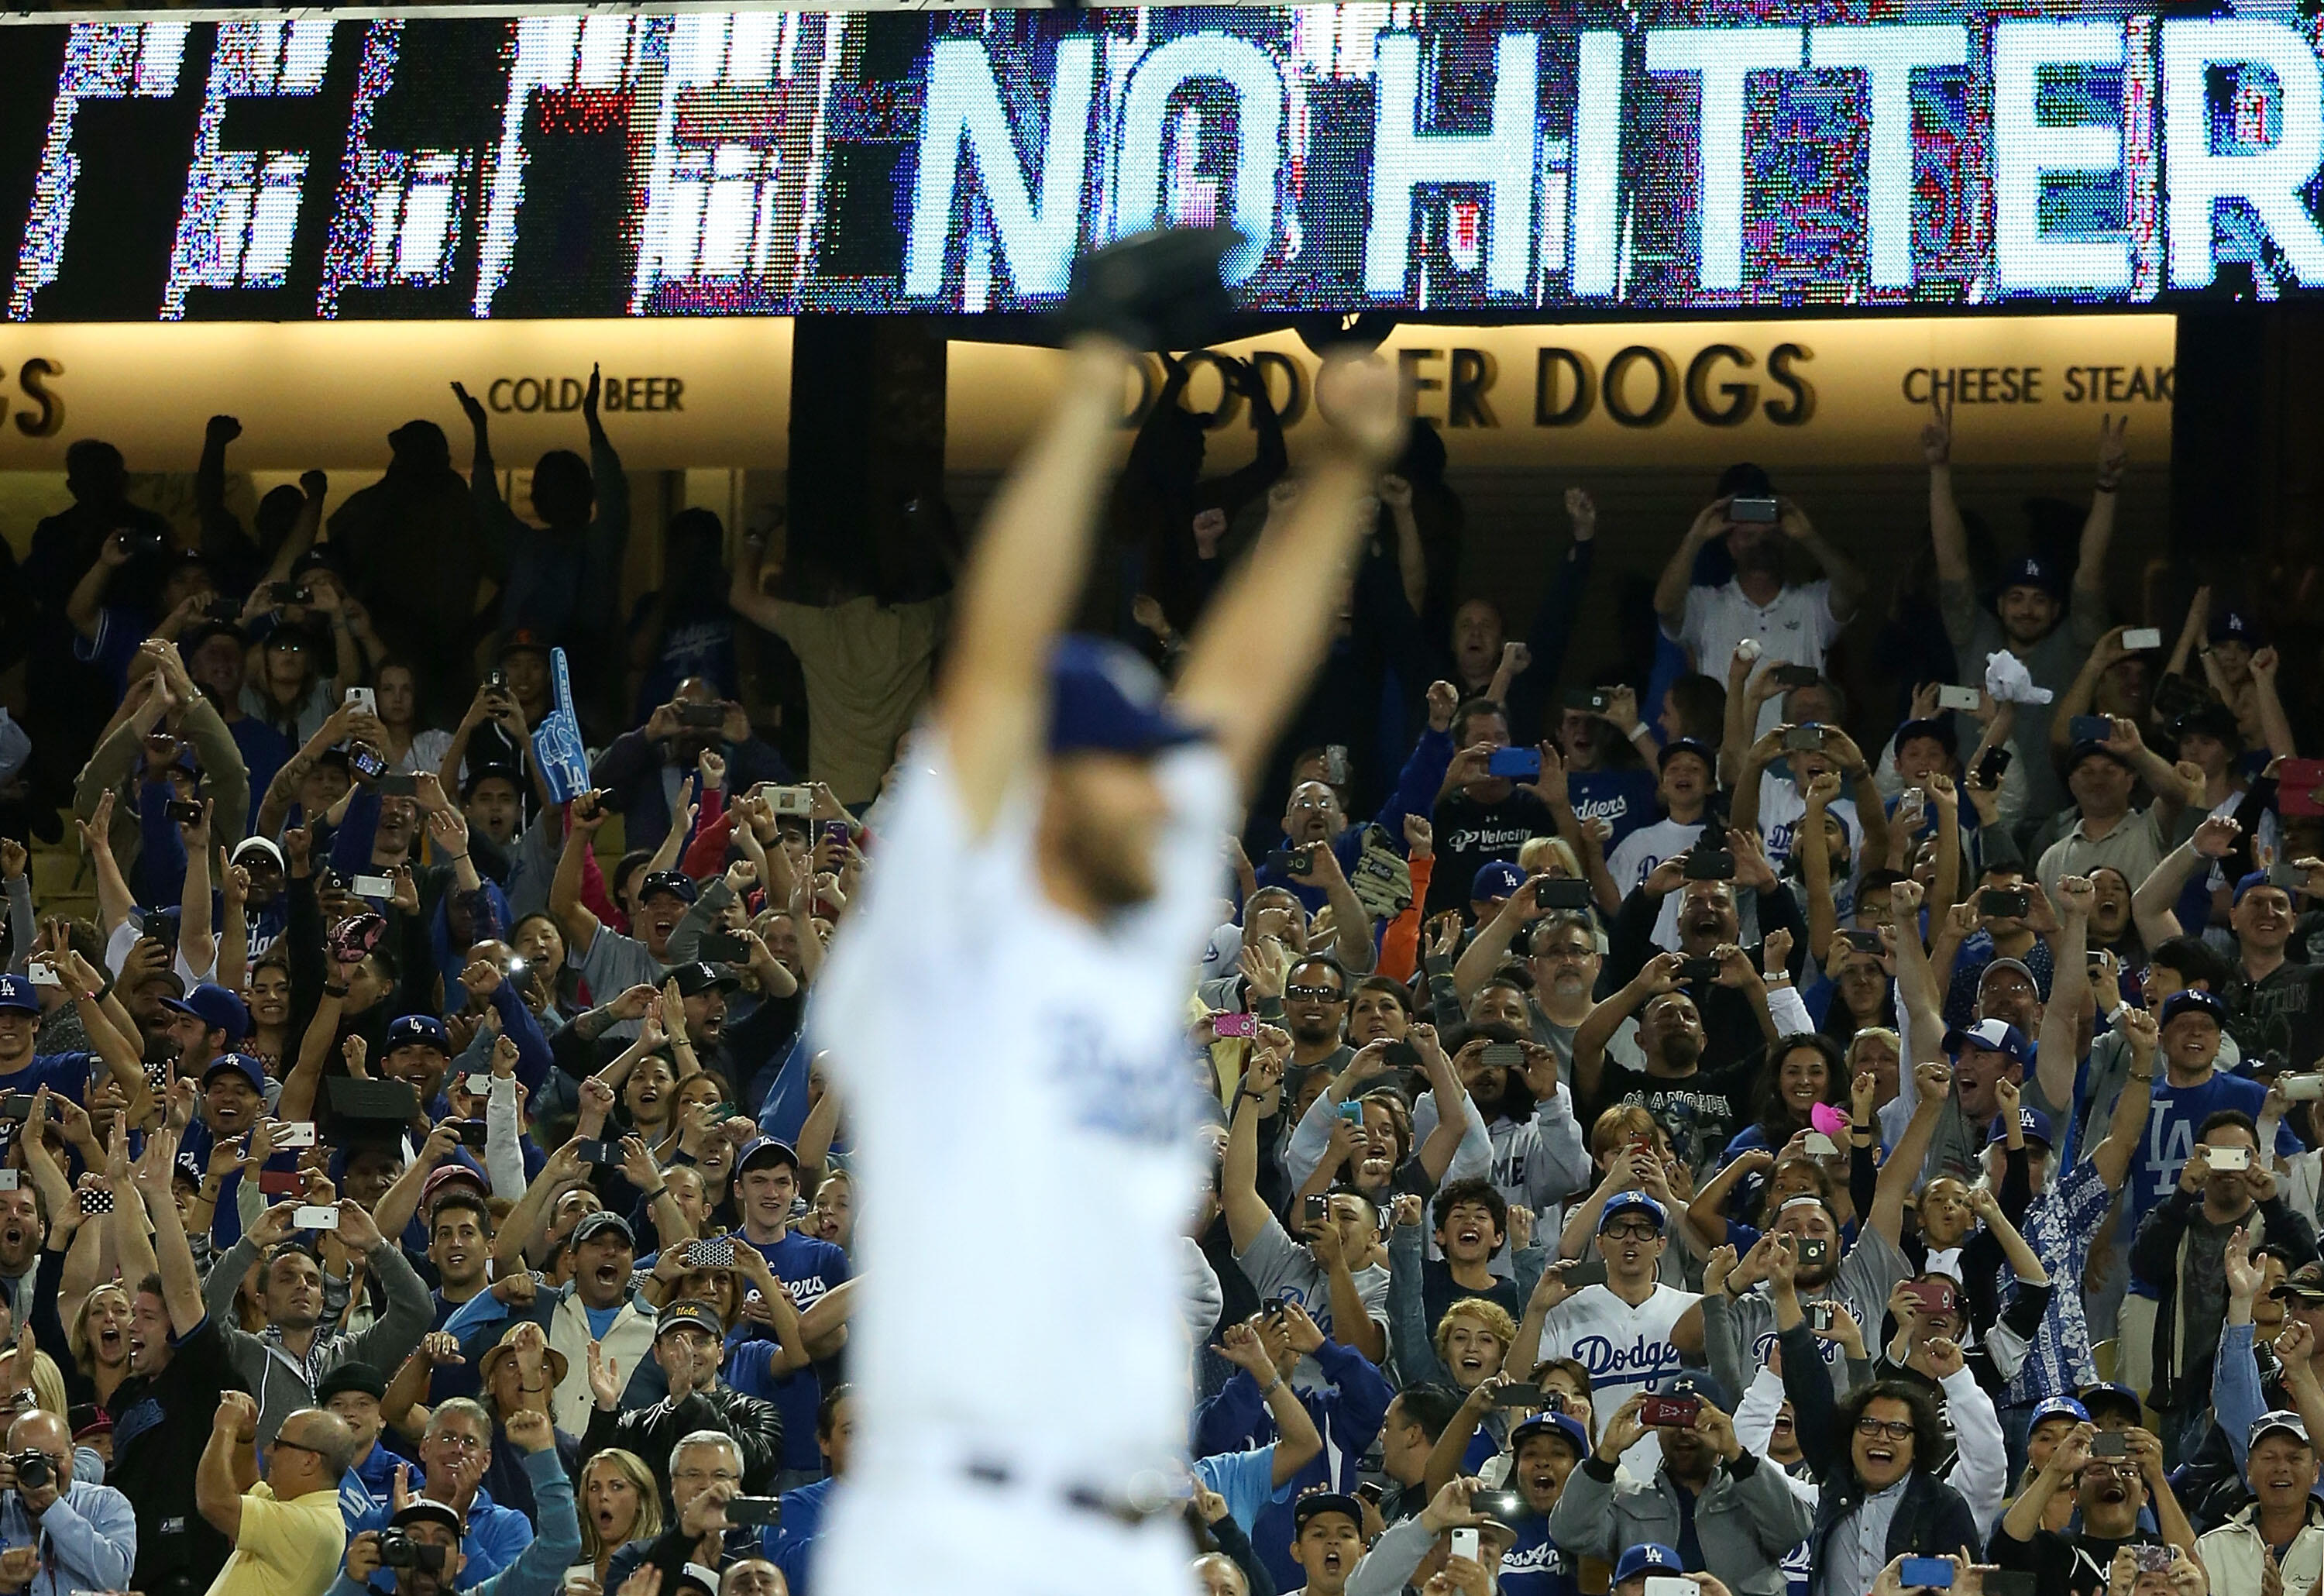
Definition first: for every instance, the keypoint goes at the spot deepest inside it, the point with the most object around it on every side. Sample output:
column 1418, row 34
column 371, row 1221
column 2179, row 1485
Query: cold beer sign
column 1655, row 158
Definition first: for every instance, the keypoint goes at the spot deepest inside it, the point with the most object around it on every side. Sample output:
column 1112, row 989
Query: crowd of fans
column 1659, row 1133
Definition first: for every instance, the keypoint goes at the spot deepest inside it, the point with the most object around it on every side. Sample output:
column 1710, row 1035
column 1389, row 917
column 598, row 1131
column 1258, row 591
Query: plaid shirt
column 2059, row 1228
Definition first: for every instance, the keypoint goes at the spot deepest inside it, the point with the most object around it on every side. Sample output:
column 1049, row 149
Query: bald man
column 286, row 1532
column 88, row 1532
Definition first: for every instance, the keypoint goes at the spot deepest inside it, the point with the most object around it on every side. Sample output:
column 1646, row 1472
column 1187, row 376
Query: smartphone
column 184, row 812
column 754, row 1509
column 2109, row 1443
column 1933, row 1573
column 2090, row 728
column 1522, row 764
column 790, row 800
column 1588, row 698
column 1234, row 1025
column 2005, row 903
column 372, row 886
column 1315, row 1209
column 1560, row 894
column 289, row 593
column 717, row 1253
column 1702, row 969
column 1587, row 1271
column 292, row 1133
column 1756, row 510
column 1932, row 1298
column 2152, row 1559
column 1662, row 1584
column 1814, row 1250
column 1807, row 739
column 1993, row 765
column 604, row 1154
column 97, row 1199
column 1291, row 862
column 1864, row 941
column 2141, row 637
column 701, row 715
column 1464, row 1544
column 1352, row 1112
column 2301, row 1088
column 1798, row 676
column 1709, row 864
column 472, row 1134
column 399, row 784
column 1678, row 1412
column 496, row 680
column 1959, row 698
column 1517, row 1395
column 366, row 762
column 41, row 972
column 1819, row 1315
column 2300, row 787
column 1371, row 1492
column 724, row 948
column 362, row 697
column 315, row 1216
column 2232, row 1158
column 281, row 1183
column 1820, row 1146
column 1401, row 1056
column 1502, row 1056
column 18, row 1106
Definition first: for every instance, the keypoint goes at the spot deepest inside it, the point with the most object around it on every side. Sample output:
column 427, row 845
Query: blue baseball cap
column 1497, row 879
column 1652, row 1557
column 240, row 1064
column 2064, row 1408
column 766, row 1149
column 676, row 883
column 417, row 1031
column 1994, row 1036
column 1633, row 1201
column 1316, row 1503
column 1694, row 745
column 2114, row 1398
column 2258, row 878
column 2235, row 626
column 1105, row 699
column 2193, row 999
column 2032, row 1121
column 218, row 1008
column 1696, row 1383
column 18, row 992
column 1563, row 1425
column 2028, row 571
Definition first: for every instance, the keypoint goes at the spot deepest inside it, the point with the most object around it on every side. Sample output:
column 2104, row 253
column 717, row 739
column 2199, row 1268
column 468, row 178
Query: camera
column 33, row 1470
column 399, row 1550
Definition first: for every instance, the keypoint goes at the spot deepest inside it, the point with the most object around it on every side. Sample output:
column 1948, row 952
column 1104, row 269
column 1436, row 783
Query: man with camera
column 84, row 1536
column 689, row 1344
column 2109, row 1490
column 422, row 1547
column 1724, row 1507
column 286, row 1528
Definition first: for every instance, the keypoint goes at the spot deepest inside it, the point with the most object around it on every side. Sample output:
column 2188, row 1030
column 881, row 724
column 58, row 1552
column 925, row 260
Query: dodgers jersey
column 1627, row 1350
column 983, row 1033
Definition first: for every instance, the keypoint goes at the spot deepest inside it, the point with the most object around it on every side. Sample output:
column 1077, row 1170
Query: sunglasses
column 1313, row 994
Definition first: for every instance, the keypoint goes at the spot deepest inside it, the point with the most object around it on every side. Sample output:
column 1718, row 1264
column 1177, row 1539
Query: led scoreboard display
column 1458, row 163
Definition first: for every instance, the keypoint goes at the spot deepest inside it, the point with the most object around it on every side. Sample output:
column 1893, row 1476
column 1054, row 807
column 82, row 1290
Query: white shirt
column 1782, row 808
column 1627, row 1350
column 992, row 1043
column 1794, row 629
column 1635, row 858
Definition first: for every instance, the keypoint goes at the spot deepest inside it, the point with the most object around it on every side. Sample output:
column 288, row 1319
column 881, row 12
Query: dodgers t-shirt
column 2170, row 1137
column 1623, row 800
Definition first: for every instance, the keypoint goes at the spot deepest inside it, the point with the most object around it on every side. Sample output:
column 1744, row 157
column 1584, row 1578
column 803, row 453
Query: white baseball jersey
column 1627, row 1350
column 997, row 1051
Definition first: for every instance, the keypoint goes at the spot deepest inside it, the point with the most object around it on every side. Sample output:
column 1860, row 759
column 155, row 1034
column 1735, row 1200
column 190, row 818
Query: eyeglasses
column 1632, row 1230
column 1895, row 1429
column 2125, row 1471
column 1313, row 994
column 281, row 1440
column 463, row 1443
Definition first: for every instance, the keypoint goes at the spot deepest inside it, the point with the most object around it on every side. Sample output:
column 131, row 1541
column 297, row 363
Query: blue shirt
column 750, row 1370
column 787, row 1544
column 1246, row 1479
column 1536, row 1565
column 2170, row 1137
column 495, row 1535
column 1623, row 800
column 368, row 1489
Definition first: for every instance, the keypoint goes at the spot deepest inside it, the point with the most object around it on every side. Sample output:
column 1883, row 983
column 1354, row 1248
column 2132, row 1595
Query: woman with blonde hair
column 98, row 1337
column 620, row 1503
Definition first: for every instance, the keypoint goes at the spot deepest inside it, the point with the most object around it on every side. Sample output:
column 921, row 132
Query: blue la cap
column 1996, row 1035
column 1551, row 1424
column 19, row 994
column 2058, row 1407
column 1628, row 1202
column 417, row 1031
column 765, row 1149
column 1104, row 698
column 1497, row 879
column 240, row 1064
column 2193, row 999
column 2029, row 571
column 1652, row 1557
column 2258, row 878
column 2032, row 1121
column 1316, row 1503
column 2115, row 1398
column 218, row 1008
column 1694, row 745
column 2235, row 626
